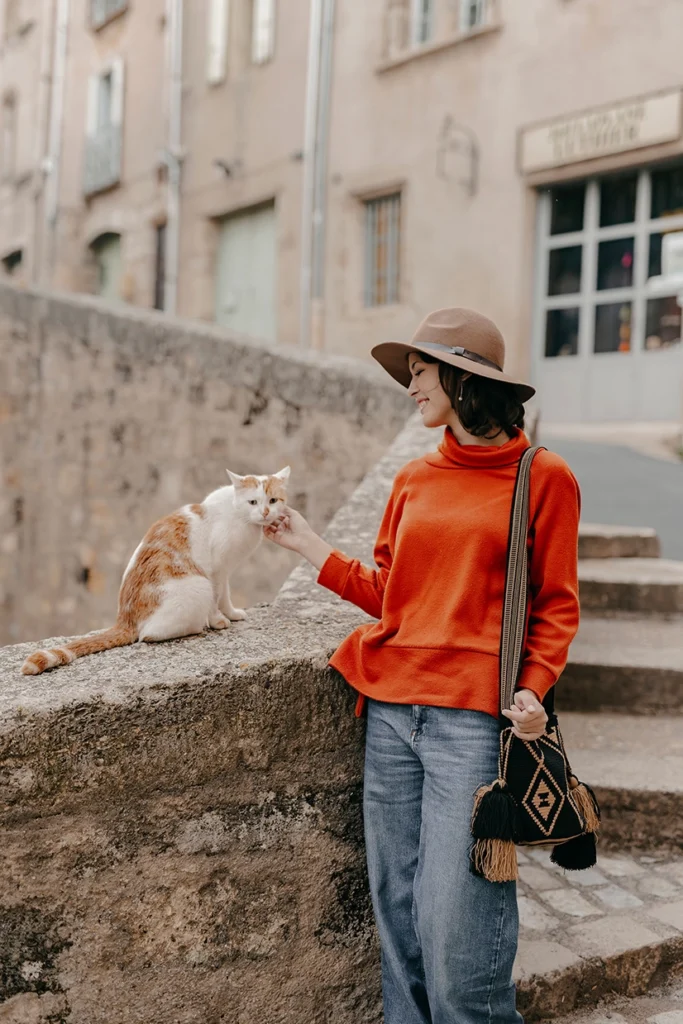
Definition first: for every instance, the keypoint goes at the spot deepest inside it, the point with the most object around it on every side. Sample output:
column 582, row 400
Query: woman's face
column 425, row 387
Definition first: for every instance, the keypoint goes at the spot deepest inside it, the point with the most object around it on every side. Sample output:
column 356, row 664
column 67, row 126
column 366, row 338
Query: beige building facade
column 323, row 173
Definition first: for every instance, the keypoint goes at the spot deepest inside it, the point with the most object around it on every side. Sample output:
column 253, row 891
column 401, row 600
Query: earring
column 460, row 395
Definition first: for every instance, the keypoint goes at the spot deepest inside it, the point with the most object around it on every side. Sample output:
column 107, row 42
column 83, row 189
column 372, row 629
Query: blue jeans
column 448, row 939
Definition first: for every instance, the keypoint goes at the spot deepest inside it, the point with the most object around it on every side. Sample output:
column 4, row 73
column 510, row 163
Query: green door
column 245, row 273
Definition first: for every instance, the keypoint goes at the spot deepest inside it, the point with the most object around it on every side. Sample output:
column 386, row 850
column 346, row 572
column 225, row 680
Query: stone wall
column 111, row 417
column 180, row 824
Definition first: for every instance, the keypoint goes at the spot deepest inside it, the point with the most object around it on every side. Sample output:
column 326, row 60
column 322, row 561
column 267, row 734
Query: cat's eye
column 253, row 501
column 273, row 500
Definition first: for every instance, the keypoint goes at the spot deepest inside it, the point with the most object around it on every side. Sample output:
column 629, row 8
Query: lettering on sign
column 628, row 125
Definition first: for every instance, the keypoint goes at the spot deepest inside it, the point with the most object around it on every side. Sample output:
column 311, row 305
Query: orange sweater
column 438, row 591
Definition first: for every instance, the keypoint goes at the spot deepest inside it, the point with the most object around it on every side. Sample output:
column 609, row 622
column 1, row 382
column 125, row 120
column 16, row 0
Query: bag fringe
column 587, row 803
column 495, row 860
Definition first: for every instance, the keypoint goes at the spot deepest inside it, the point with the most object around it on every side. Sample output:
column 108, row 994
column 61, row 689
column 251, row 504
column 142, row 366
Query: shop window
column 618, row 200
column 567, row 204
column 617, row 225
column 382, row 250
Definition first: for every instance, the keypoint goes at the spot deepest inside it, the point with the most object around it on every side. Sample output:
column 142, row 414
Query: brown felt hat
column 461, row 337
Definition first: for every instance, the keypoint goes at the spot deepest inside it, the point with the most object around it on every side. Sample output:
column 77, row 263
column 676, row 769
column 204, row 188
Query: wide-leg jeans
column 448, row 938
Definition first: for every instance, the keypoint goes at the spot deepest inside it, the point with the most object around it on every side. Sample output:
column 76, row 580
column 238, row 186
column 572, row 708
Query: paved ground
column 569, row 921
column 625, row 487
column 661, row 1006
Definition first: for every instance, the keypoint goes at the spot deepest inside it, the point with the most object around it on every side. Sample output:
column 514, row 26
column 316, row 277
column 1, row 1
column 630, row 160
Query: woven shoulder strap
column 516, row 584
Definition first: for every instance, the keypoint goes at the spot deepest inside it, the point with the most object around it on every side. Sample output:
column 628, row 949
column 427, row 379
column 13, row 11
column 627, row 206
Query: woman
column 428, row 668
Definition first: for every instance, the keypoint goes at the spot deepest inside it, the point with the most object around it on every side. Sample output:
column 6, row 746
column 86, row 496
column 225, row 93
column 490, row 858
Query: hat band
column 457, row 350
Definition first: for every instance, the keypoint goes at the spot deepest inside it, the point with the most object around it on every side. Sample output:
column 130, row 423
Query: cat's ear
column 235, row 479
column 283, row 474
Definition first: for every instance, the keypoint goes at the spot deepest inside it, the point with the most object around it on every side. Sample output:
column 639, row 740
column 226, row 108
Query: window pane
column 654, row 260
column 562, row 332
column 615, row 263
column 618, row 200
column 613, row 327
column 662, row 323
column 567, row 209
column 382, row 247
column 564, row 270
column 667, row 192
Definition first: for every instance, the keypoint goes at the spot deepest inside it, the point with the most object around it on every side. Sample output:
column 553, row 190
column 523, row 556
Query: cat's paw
column 237, row 614
column 219, row 622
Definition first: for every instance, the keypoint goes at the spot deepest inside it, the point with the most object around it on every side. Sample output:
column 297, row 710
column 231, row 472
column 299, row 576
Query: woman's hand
column 528, row 716
column 290, row 530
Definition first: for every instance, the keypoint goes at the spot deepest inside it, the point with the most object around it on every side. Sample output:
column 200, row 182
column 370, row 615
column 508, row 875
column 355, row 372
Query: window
column 104, row 129
column 473, row 14
column 421, row 21
column 160, row 267
column 217, row 41
column 262, row 30
column 382, row 250
column 8, row 156
column 601, row 260
column 11, row 264
column 102, row 11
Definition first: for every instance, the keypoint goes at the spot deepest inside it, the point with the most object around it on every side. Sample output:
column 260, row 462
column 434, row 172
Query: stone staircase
column 618, row 928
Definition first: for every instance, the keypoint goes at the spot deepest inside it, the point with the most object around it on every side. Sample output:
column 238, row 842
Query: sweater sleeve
column 553, row 577
column 358, row 583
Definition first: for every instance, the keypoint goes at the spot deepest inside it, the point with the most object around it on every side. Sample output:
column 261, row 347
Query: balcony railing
column 102, row 10
column 102, row 160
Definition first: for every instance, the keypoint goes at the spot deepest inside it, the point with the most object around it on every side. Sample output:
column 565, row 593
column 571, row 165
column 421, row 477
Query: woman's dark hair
column 487, row 407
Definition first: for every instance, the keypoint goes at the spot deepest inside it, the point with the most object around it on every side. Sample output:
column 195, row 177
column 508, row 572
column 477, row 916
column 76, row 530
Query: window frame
column 482, row 8
column 217, row 40
column 589, row 297
column 393, row 233
column 422, row 15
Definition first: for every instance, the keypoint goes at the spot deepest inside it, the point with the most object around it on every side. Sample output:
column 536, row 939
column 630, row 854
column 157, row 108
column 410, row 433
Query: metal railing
column 102, row 160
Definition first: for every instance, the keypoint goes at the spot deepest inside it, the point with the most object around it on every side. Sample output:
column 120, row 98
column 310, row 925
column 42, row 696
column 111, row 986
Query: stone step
column 635, row 765
column 647, row 585
column 599, row 541
column 616, row 929
column 630, row 663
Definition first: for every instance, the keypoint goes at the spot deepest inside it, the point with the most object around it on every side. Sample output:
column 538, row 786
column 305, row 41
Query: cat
column 177, row 581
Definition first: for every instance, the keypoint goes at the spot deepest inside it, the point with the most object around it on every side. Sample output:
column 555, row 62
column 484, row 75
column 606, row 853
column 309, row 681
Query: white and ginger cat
column 178, row 581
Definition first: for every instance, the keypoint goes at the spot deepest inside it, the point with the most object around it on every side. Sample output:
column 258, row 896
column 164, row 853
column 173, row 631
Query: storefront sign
column 629, row 125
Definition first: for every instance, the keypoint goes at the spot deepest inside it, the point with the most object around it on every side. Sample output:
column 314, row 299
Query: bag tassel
column 576, row 854
column 586, row 801
column 495, row 860
column 494, row 815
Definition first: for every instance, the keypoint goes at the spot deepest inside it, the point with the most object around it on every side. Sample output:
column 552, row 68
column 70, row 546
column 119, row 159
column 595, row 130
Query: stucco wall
column 110, row 418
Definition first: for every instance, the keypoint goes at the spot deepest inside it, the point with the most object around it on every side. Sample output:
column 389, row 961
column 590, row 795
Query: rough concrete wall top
column 111, row 417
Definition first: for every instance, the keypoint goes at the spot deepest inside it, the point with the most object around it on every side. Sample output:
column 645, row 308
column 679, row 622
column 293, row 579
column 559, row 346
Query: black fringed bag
column 536, row 799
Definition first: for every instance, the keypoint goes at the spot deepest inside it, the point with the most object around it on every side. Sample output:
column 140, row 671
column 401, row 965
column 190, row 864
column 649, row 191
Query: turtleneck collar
column 451, row 454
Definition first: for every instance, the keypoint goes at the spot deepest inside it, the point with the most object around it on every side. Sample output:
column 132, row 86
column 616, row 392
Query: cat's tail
column 117, row 636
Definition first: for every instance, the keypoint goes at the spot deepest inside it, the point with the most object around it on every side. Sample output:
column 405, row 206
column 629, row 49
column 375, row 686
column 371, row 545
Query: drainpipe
column 310, row 147
column 54, row 147
column 40, row 141
column 173, row 155
column 317, row 329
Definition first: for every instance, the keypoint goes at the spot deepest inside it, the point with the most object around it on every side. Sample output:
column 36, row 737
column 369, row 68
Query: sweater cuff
column 536, row 678
column 334, row 572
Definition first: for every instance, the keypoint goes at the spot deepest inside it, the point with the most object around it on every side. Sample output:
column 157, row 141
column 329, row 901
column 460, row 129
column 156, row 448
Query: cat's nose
column 264, row 513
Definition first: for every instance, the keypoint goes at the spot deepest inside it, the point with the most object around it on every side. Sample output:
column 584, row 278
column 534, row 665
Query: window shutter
column 263, row 31
column 117, row 89
column 91, row 113
column 217, row 40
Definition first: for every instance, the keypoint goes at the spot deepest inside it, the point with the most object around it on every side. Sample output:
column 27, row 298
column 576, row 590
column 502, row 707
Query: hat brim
column 393, row 357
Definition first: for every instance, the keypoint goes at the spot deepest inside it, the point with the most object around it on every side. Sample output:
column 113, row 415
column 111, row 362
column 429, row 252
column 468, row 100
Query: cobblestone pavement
column 661, row 1006
column 625, row 903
